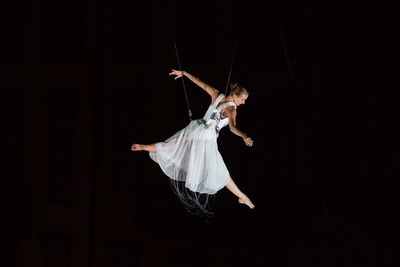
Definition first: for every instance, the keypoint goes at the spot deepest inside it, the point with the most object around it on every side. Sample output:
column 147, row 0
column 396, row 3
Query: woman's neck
column 229, row 98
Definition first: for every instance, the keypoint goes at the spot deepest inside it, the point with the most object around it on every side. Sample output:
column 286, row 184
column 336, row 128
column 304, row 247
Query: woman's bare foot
column 245, row 200
column 140, row 147
column 137, row 147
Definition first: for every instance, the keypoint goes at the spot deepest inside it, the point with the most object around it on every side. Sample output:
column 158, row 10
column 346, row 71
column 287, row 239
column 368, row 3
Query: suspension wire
column 321, row 191
column 183, row 82
column 286, row 55
column 230, row 70
column 327, row 214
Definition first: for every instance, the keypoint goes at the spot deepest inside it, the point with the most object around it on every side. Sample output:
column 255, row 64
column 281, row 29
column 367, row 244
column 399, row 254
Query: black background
column 83, row 80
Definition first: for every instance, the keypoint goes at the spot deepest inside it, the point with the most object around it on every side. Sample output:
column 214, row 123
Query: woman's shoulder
column 216, row 97
column 230, row 105
column 227, row 105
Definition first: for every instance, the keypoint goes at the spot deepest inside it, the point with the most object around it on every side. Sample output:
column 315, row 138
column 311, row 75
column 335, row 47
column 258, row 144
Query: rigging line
column 28, row 76
column 230, row 70
column 321, row 191
column 183, row 82
column 286, row 55
column 327, row 214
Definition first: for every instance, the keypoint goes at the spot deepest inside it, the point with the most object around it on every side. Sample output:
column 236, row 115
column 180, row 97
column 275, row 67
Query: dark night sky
column 82, row 80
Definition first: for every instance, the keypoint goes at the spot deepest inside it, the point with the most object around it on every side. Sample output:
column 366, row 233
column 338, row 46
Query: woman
column 191, row 157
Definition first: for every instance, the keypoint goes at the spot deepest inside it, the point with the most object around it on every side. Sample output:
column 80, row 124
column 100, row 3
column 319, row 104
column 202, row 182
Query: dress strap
column 223, row 105
column 232, row 104
column 218, row 100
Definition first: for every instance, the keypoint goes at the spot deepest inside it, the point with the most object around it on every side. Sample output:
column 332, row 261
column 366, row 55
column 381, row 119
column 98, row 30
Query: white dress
column 191, row 157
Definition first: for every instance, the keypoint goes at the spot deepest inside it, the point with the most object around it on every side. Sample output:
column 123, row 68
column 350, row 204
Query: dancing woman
column 190, row 157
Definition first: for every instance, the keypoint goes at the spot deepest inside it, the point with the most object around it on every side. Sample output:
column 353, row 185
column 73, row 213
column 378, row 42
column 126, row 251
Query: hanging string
column 327, row 214
column 230, row 70
column 321, row 191
column 183, row 82
column 286, row 55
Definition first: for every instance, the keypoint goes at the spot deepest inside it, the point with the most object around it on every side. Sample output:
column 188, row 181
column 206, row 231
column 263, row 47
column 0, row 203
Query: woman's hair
column 236, row 89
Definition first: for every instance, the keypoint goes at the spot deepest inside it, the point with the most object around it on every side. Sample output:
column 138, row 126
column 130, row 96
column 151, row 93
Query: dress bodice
column 213, row 116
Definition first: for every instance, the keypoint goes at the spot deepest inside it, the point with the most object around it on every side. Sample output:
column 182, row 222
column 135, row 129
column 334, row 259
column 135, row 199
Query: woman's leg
column 243, row 199
column 140, row 147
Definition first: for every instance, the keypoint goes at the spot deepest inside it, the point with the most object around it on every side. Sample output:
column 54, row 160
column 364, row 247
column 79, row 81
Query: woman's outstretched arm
column 234, row 129
column 209, row 89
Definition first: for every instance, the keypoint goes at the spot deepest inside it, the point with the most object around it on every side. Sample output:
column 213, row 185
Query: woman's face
column 241, row 99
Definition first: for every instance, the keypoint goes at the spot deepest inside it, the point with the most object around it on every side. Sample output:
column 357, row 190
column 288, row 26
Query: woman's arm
column 209, row 89
column 234, row 129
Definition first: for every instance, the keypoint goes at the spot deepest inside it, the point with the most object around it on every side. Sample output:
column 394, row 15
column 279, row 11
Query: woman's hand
column 178, row 73
column 248, row 141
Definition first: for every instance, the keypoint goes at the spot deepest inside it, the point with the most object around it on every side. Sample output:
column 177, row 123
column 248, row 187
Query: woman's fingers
column 178, row 74
column 249, row 142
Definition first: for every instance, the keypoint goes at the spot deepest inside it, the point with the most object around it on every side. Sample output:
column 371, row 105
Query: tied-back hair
column 236, row 89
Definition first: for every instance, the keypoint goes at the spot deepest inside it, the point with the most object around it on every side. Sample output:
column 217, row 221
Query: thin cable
column 183, row 82
column 327, row 214
column 286, row 55
column 332, row 233
column 230, row 70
